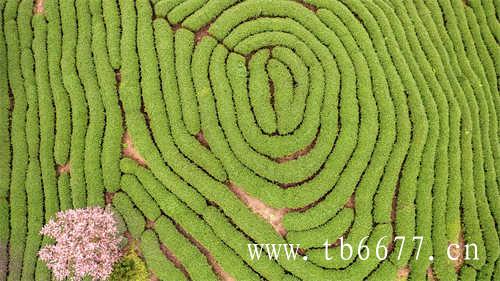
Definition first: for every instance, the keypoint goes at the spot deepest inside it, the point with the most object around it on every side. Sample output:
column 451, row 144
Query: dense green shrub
column 4, row 237
column 140, row 197
column 358, row 118
column 79, row 109
column 87, row 74
column 46, row 114
column 17, row 192
column 133, row 218
column 155, row 259
column 5, row 148
column 192, row 259
column 60, row 95
column 130, row 268
column 113, row 131
column 111, row 16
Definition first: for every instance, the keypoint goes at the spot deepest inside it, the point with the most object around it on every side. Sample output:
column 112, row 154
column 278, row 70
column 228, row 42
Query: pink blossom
column 87, row 243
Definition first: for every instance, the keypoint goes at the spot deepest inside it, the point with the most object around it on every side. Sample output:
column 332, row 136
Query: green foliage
column 5, row 148
column 113, row 131
column 132, row 217
column 64, row 190
column 184, row 44
column 60, row 95
column 130, row 268
column 194, row 261
column 183, row 9
column 33, row 174
column 180, row 90
column 4, row 237
column 17, row 193
column 140, row 197
column 93, row 136
column 46, row 114
column 111, row 15
column 331, row 230
column 155, row 259
column 390, row 105
column 79, row 109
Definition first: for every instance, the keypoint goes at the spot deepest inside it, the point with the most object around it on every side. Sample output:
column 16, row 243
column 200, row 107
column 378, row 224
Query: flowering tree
column 87, row 243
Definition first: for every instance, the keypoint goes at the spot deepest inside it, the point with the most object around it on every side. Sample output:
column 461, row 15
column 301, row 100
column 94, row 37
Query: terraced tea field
column 213, row 125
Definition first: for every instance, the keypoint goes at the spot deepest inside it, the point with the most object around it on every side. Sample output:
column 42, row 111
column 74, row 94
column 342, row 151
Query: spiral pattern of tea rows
column 353, row 118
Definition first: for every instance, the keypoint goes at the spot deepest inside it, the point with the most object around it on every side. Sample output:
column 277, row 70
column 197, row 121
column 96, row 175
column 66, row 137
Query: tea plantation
column 208, row 125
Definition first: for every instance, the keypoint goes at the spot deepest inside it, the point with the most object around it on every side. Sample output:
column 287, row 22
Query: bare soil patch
column 351, row 203
column 403, row 273
column 202, row 140
column 176, row 26
column 150, row 224
column 153, row 277
column 118, row 78
column 130, row 151
column 458, row 252
column 11, row 101
column 202, row 32
column 108, row 197
column 61, row 169
column 430, row 274
column 272, row 215
column 38, row 7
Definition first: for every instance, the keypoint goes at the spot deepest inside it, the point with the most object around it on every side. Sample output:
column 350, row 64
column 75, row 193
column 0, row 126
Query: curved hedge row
column 5, row 113
column 113, row 131
column 5, row 150
column 156, row 261
column 350, row 118
column 19, row 164
column 79, row 109
column 194, row 261
column 61, row 99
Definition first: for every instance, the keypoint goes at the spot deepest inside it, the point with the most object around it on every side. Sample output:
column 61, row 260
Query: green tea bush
column 93, row 137
column 79, row 109
column 5, row 150
column 113, row 131
column 17, row 191
column 156, row 261
column 60, row 95
column 133, row 217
